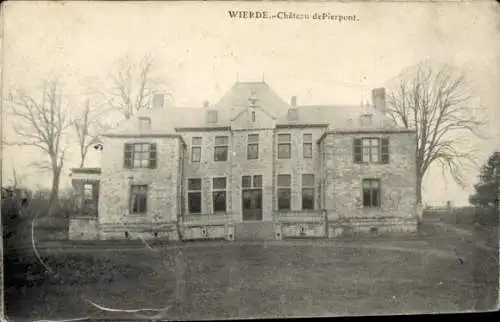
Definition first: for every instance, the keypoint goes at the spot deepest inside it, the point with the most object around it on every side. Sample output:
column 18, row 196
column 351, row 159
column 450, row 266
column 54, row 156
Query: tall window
column 140, row 155
column 284, row 191
column 194, row 196
column 253, row 116
column 307, row 191
column 371, row 150
column 219, row 194
column 253, row 146
column 138, row 199
column 221, row 148
column 307, row 146
column 196, row 143
column 371, row 193
column 284, row 146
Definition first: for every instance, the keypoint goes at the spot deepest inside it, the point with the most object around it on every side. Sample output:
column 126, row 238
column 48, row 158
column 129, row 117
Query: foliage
column 487, row 189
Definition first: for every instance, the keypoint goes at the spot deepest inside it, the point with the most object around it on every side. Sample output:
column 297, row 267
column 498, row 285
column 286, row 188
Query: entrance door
column 251, row 204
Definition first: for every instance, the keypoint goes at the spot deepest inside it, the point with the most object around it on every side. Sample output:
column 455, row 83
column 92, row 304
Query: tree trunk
column 419, row 190
column 54, row 192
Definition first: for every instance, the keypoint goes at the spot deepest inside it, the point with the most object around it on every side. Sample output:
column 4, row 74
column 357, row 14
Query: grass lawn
column 224, row 280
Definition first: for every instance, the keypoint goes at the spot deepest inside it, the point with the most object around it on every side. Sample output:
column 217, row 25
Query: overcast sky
column 201, row 50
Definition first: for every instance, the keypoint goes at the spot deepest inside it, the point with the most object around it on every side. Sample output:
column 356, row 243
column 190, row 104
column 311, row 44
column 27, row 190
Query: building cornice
column 203, row 129
column 301, row 125
column 366, row 131
column 145, row 136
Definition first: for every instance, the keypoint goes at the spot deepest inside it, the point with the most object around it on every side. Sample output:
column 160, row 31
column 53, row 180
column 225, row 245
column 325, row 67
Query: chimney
column 158, row 101
column 378, row 99
column 205, row 104
column 293, row 101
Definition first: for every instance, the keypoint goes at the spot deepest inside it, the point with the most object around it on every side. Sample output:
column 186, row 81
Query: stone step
column 254, row 231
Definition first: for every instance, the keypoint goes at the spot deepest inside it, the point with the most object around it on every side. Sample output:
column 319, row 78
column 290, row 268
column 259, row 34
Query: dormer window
column 366, row 119
column 144, row 123
column 293, row 114
column 212, row 116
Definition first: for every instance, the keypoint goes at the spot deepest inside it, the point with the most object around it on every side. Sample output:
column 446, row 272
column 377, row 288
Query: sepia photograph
column 206, row 160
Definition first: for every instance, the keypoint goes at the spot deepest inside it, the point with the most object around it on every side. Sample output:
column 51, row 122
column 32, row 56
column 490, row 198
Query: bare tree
column 436, row 101
column 41, row 123
column 87, row 128
column 131, row 85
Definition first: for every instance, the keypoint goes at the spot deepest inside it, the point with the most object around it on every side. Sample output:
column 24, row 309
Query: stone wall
column 343, row 179
column 162, row 203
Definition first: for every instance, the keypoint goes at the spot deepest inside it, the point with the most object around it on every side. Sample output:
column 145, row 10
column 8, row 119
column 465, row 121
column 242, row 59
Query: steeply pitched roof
column 169, row 119
column 237, row 98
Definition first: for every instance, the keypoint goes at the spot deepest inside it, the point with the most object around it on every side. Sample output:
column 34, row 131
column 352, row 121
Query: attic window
column 253, row 116
column 212, row 116
column 292, row 114
column 366, row 119
column 144, row 123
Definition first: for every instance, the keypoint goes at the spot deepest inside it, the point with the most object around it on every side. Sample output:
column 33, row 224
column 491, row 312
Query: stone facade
column 163, row 200
column 338, row 191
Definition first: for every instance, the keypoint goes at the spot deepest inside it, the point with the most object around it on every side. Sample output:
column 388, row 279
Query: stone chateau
column 251, row 166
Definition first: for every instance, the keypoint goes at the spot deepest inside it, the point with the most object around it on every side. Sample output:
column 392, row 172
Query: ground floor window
column 251, row 197
column 219, row 194
column 194, row 196
column 308, row 192
column 138, row 199
column 371, row 192
column 284, row 192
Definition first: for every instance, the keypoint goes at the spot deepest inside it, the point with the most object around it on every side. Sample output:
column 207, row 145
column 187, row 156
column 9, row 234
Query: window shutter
column 152, row 155
column 127, row 158
column 357, row 151
column 385, row 150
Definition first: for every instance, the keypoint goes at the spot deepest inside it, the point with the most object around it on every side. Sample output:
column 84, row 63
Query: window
column 140, row 155
column 221, row 148
column 248, row 182
column 253, row 116
column 144, row 123
column 307, row 146
column 371, row 193
column 212, row 116
column 88, row 191
column 219, row 194
column 366, row 119
column 138, row 199
column 284, row 146
column 194, row 196
column 284, row 191
column 307, row 191
column 371, row 150
column 196, row 149
column 253, row 146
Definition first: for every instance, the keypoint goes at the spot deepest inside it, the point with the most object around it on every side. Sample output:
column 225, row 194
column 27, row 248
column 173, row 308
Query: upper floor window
column 371, row 150
column 253, row 146
column 144, row 123
column 221, row 148
column 371, row 193
column 253, row 116
column 219, row 194
column 88, row 191
column 196, row 149
column 212, row 116
column 284, row 146
column 307, row 146
column 284, row 191
column 140, row 155
column 138, row 199
column 308, row 192
column 194, row 196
